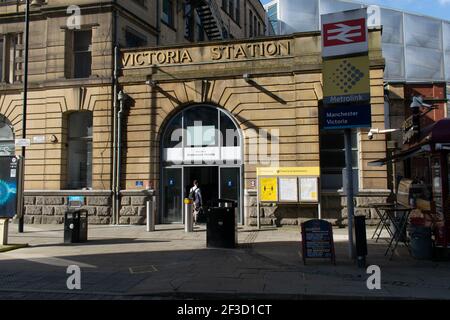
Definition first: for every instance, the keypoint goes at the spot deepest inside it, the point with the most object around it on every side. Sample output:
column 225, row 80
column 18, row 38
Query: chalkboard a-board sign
column 317, row 240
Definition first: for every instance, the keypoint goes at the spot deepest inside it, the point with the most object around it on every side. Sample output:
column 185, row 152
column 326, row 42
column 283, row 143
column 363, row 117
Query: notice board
column 317, row 240
column 9, row 177
column 269, row 189
column 309, row 189
column 288, row 189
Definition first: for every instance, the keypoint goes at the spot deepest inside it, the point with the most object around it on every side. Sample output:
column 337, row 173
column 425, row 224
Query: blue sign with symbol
column 345, row 116
column 230, row 183
column 171, row 182
column 139, row 184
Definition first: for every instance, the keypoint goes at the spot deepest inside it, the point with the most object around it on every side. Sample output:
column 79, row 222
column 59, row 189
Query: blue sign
column 139, row 184
column 171, row 182
column 75, row 201
column 345, row 116
column 230, row 183
column 8, row 186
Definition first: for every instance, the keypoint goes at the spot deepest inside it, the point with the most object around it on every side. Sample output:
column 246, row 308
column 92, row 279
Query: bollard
column 188, row 216
column 4, row 232
column 150, row 216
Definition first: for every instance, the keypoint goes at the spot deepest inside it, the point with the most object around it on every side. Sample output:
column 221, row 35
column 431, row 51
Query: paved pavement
column 126, row 262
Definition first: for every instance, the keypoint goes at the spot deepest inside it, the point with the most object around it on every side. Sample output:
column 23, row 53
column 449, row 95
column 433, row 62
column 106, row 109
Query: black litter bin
column 221, row 224
column 75, row 226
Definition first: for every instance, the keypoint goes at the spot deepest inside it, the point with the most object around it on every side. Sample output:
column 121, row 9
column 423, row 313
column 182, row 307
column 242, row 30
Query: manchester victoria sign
column 231, row 52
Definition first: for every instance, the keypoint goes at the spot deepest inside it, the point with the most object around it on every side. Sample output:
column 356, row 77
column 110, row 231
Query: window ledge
column 67, row 192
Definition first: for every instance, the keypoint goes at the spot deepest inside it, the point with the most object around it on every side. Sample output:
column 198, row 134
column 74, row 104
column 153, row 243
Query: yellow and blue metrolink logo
column 346, row 80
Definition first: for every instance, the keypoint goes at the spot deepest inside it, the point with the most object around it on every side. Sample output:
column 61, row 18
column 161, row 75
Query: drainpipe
column 121, row 96
column 158, row 22
column 115, row 208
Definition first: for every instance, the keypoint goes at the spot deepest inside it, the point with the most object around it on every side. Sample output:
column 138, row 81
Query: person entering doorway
column 195, row 195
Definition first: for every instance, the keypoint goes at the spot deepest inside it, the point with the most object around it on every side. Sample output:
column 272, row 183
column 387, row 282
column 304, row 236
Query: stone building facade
column 86, row 141
column 71, row 71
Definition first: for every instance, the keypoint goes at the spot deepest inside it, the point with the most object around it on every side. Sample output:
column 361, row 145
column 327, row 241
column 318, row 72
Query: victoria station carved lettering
column 216, row 53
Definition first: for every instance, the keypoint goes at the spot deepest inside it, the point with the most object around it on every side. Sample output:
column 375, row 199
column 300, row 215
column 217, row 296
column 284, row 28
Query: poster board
column 288, row 189
column 308, row 189
column 268, row 189
column 317, row 240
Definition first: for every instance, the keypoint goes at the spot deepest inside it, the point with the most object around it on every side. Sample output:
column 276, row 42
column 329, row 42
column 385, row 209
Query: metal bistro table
column 400, row 225
column 384, row 220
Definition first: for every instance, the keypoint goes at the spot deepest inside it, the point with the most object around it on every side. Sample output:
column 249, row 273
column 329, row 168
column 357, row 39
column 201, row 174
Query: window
column 250, row 19
column 189, row 22
column 332, row 158
column 200, row 32
column 231, row 8
column 238, row 11
column 225, row 5
column 78, row 54
column 79, row 150
column 142, row 3
column 201, row 131
column 168, row 12
column 272, row 14
column 133, row 39
column 255, row 26
column 11, row 56
column 7, row 144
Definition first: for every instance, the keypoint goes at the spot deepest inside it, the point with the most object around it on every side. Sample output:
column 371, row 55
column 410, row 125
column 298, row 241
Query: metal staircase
column 209, row 14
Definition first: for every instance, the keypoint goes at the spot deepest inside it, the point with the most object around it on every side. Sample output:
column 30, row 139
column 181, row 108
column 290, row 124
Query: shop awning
column 403, row 155
column 437, row 135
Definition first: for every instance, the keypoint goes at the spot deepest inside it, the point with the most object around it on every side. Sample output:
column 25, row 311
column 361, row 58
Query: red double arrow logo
column 344, row 32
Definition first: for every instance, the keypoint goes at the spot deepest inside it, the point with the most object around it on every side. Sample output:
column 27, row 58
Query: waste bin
column 360, row 240
column 75, row 226
column 221, row 224
column 421, row 244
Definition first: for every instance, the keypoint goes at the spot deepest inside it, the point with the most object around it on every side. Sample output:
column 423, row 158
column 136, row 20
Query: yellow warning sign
column 268, row 189
column 346, row 80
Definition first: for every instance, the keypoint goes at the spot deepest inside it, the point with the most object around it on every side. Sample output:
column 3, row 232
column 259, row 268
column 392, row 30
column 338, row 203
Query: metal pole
column 25, row 94
column 150, row 217
column 349, row 190
column 188, row 219
column 258, row 218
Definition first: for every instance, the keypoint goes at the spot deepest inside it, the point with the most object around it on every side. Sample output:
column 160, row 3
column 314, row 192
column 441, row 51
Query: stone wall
column 50, row 208
column 134, row 207
column 334, row 210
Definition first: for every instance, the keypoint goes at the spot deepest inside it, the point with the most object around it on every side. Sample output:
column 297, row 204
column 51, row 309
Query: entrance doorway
column 215, row 183
column 202, row 143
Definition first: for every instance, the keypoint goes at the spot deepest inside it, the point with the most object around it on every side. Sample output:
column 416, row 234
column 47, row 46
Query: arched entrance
column 202, row 142
column 7, row 145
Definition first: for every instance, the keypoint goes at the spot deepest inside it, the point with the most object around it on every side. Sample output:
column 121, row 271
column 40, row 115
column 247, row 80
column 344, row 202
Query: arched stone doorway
column 201, row 142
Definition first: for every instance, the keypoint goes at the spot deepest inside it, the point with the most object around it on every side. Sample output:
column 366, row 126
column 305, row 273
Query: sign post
column 346, row 87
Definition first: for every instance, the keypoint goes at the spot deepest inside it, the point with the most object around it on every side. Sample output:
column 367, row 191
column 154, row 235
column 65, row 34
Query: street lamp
column 34, row 3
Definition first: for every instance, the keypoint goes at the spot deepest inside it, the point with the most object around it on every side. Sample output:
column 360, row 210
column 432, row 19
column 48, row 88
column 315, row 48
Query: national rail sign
column 346, row 80
column 344, row 33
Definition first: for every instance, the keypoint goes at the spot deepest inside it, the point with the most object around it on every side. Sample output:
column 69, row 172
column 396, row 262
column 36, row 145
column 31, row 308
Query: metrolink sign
column 218, row 53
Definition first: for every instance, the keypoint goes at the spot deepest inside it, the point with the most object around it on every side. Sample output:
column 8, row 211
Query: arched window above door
column 7, row 147
column 201, row 134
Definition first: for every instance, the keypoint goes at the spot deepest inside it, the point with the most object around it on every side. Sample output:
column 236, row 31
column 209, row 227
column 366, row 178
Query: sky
column 435, row 8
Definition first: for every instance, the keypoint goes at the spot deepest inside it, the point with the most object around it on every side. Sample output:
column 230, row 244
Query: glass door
column 230, row 186
column 172, row 211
